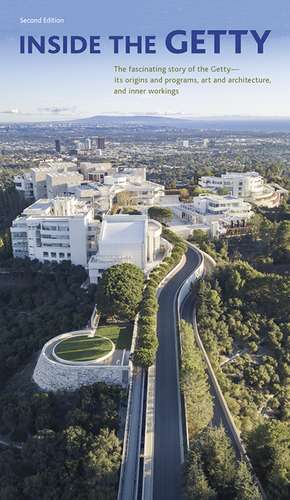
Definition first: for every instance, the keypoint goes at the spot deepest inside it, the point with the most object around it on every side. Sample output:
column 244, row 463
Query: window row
column 59, row 255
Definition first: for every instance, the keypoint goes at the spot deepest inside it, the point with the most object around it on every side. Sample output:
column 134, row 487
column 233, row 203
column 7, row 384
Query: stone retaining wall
column 53, row 376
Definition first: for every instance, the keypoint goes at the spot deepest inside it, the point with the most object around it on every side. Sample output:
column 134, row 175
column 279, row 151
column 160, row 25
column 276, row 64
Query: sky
column 51, row 87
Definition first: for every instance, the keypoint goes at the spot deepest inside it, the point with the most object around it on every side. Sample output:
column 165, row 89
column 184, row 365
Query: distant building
column 243, row 185
column 57, row 146
column 128, row 187
column 88, row 144
column 218, row 213
column 101, row 143
column 59, row 184
column 55, row 231
column 33, row 184
column 228, row 205
column 185, row 144
column 125, row 238
column 23, row 184
column 96, row 172
column 98, row 183
column 248, row 185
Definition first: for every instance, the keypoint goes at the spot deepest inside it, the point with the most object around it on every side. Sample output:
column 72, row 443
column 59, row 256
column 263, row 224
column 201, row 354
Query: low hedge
column 147, row 344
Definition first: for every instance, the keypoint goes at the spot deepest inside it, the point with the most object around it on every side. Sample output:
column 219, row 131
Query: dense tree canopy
column 37, row 302
column 161, row 214
column 70, row 448
column 194, row 383
column 199, row 236
column 120, row 291
column 213, row 472
column 243, row 319
column 11, row 204
column 268, row 447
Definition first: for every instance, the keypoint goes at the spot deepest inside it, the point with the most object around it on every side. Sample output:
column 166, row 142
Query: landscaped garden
column 86, row 348
column 83, row 348
column 120, row 335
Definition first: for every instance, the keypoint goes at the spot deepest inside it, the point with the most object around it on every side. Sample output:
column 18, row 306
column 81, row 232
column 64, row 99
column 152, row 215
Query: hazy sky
column 45, row 87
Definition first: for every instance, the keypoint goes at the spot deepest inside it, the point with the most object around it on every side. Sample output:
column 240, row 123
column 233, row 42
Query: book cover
column 144, row 250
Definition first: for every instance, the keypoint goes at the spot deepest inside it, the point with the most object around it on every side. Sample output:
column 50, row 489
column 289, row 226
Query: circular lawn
column 83, row 348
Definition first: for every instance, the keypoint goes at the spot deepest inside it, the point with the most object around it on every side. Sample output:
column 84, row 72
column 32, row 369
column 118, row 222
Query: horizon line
column 179, row 116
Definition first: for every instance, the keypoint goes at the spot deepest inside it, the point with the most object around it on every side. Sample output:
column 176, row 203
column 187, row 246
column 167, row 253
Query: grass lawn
column 120, row 335
column 83, row 348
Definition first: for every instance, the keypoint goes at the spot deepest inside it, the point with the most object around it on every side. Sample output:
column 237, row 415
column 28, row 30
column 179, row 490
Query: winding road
column 163, row 452
column 168, row 452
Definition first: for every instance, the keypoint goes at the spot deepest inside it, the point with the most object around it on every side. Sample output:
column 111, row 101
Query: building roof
column 123, row 231
column 242, row 174
column 62, row 206
column 38, row 206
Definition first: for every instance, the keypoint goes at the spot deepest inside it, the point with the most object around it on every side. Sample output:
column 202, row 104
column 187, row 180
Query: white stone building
column 64, row 228
column 242, row 185
column 50, row 179
column 96, row 172
column 54, row 179
column 216, row 212
column 129, row 183
column 97, row 183
column 140, row 191
column 248, row 185
column 56, row 230
column 60, row 184
column 24, row 184
column 126, row 238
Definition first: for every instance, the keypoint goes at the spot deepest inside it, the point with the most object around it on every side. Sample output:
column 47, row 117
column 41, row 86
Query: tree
column 244, row 485
column 218, row 460
column 183, row 194
column 197, row 190
column 5, row 245
column 126, row 198
column 274, row 335
column 71, row 463
column 199, row 236
column 196, row 483
column 283, row 234
column 213, row 472
column 268, row 447
column 163, row 215
column 36, row 301
column 281, row 246
column 235, row 282
column 77, row 455
column 194, row 383
column 119, row 293
column 223, row 191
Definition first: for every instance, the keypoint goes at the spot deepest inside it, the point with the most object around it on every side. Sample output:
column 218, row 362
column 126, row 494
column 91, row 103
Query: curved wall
column 52, row 375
